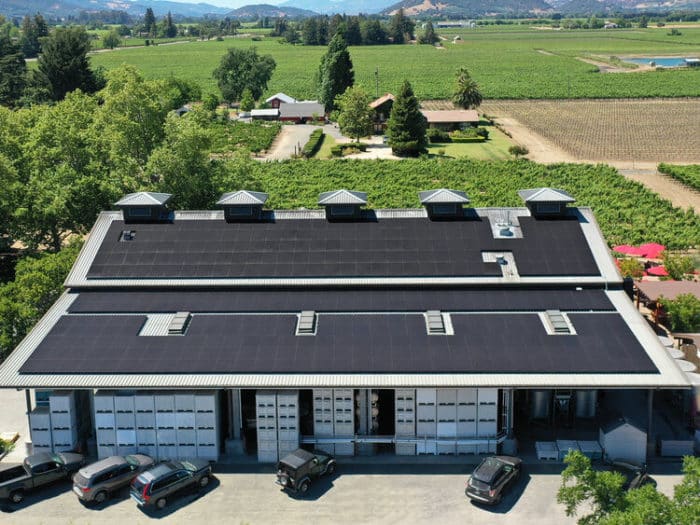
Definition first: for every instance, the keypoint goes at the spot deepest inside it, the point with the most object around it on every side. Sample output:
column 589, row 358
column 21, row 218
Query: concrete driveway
column 290, row 140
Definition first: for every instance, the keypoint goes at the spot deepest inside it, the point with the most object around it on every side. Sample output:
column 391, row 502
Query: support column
column 28, row 400
column 650, row 419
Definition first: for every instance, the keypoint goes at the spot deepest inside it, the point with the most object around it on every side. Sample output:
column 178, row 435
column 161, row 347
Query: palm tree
column 466, row 94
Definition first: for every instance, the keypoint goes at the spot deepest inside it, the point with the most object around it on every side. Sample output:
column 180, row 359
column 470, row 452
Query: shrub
column 678, row 266
column 337, row 151
column 437, row 135
column 518, row 151
column 348, row 148
column 631, row 268
column 483, row 132
column 683, row 312
column 313, row 144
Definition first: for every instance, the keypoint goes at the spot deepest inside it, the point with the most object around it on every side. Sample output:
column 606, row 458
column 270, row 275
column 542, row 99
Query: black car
column 156, row 485
column 636, row 476
column 490, row 479
column 296, row 470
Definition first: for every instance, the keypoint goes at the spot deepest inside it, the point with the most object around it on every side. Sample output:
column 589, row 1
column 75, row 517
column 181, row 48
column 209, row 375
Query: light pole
column 376, row 79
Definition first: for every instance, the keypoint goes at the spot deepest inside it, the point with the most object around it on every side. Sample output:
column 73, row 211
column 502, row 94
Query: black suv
column 636, row 476
column 156, row 485
column 490, row 479
column 296, row 470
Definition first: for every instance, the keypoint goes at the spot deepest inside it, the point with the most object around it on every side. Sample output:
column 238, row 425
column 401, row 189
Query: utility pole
column 376, row 79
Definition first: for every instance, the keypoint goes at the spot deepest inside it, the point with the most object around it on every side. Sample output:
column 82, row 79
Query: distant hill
column 271, row 11
column 469, row 8
column 588, row 7
column 61, row 8
column 348, row 7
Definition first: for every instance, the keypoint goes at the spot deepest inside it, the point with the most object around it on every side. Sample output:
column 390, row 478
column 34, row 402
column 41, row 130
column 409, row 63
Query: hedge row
column 339, row 150
column 314, row 143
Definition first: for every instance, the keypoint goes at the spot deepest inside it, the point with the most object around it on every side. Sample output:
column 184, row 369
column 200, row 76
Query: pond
column 658, row 61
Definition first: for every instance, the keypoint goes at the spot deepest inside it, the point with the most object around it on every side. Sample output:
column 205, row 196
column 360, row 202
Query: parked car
column 98, row 481
column 490, row 479
column 635, row 475
column 37, row 470
column 155, row 486
column 295, row 471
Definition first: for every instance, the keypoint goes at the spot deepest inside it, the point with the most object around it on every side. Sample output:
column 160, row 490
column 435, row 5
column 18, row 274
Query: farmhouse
column 451, row 119
column 301, row 112
column 446, row 329
column 280, row 98
column 382, row 109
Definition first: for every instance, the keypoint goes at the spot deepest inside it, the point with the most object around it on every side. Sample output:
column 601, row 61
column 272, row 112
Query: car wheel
column 304, row 487
column 101, row 497
column 203, row 481
column 161, row 503
column 17, row 496
column 498, row 499
column 331, row 469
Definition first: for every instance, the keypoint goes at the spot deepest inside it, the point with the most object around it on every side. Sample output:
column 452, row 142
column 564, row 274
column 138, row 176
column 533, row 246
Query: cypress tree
column 13, row 71
column 406, row 126
column 335, row 72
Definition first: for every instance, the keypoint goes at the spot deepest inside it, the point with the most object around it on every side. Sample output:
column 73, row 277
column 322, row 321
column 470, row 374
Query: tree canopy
column 466, row 94
column 243, row 68
column 13, row 71
column 401, row 28
column 407, row 125
column 33, row 31
column 335, row 73
column 429, row 36
column 355, row 119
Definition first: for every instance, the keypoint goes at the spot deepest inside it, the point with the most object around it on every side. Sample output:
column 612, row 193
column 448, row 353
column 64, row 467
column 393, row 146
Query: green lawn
column 324, row 151
column 496, row 148
column 528, row 63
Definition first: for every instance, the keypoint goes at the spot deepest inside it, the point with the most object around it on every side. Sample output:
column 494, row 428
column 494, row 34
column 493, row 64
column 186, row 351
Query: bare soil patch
column 609, row 130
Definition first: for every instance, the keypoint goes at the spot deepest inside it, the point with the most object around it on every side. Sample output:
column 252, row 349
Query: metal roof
column 271, row 112
column 144, row 198
column 381, row 100
column 302, row 110
column 243, row 198
column 455, row 116
column 331, row 198
column 443, row 196
column 282, row 97
column 545, row 195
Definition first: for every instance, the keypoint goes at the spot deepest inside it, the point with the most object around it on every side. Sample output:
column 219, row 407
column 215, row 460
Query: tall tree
column 13, row 71
column 466, row 94
column 33, row 30
column 429, row 36
column 355, row 119
column 335, row 72
column 169, row 28
column 401, row 28
column 373, row 34
column 407, row 125
column 149, row 22
column 64, row 65
column 111, row 40
column 243, row 68
column 353, row 35
column 309, row 32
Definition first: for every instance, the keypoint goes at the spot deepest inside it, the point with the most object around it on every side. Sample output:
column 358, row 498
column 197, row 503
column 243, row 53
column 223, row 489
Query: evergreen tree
column 429, row 37
column 169, row 29
column 335, row 72
column 323, row 31
column 64, row 65
column 13, row 71
column 353, row 35
column 406, row 126
column 309, row 32
column 149, row 22
column 401, row 28
column 33, row 30
column 466, row 94
column 373, row 34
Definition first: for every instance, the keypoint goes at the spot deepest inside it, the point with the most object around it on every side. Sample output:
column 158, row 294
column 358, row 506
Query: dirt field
column 644, row 131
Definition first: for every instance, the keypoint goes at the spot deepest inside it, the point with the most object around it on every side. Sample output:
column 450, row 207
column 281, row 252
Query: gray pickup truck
column 37, row 470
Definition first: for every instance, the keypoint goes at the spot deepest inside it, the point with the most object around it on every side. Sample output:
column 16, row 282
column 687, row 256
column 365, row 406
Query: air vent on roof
column 306, row 325
column 127, row 235
column 438, row 323
column 179, row 324
column 557, row 323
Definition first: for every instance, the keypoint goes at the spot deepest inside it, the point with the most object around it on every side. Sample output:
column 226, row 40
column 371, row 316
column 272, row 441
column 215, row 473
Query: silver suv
column 96, row 482
column 159, row 484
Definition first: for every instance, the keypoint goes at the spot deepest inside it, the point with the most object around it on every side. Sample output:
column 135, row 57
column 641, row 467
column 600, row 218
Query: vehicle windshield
column 487, row 470
column 131, row 460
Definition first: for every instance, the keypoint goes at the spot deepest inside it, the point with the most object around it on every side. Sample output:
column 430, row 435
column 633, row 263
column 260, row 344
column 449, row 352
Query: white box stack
column 446, row 415
column 344, row 420
column 185, row 425
column 64, row 421
column 105, row 423
column 266, row 414
column 40, row 429
column 466, row 418
column 426, row 413
column 287, row 421
column 166, row 435
column 405, row 427
column 145, row 418
column 487, row 424
column 323, row 417
column 205, row 419
column 125, row 419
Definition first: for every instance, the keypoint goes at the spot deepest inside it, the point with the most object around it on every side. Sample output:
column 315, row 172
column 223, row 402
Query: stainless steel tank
column 586, row 403
column 540, row 404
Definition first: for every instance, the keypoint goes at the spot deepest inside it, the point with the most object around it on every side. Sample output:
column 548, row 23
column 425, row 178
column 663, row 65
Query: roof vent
column 179, row 323
column 343, row 205
column 144, row 206
column 443, row 203
column 306, row 324
column 546, row 202
column 243, row 205
column 127, row 235
column 557, row 323
column 438, row 323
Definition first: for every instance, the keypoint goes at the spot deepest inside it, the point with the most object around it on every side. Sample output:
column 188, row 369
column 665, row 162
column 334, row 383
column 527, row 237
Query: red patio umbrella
column 659, row 271
column 629, row 250
column 652, row 250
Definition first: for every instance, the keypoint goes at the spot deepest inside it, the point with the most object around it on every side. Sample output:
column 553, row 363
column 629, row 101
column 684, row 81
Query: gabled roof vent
column 343, row 204
column 144, row 206
column 306, row 324
column 179, row 323
column 546, row 202
column 438, row 323
column 242, row 205
column 557, row 323
column 443, row 203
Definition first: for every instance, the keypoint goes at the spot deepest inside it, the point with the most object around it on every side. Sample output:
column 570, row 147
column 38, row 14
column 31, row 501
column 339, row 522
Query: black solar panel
column 346, row 300
column 483, row 343
column 300, row 248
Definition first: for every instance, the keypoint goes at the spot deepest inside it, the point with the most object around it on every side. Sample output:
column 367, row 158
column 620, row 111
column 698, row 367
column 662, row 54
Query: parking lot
column 358, row 493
